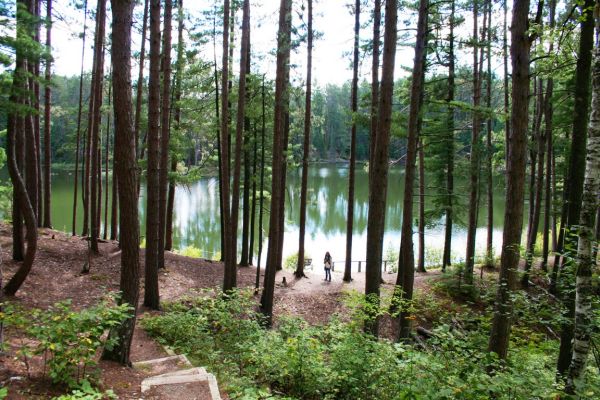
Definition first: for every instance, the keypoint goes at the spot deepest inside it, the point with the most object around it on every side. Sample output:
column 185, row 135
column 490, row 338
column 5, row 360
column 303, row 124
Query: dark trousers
column 328, row 274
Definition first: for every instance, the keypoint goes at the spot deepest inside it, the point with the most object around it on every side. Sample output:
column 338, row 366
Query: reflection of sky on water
column 197, row 221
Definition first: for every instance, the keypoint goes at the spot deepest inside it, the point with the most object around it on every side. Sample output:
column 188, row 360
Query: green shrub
column 66, row 339
column 87, row 392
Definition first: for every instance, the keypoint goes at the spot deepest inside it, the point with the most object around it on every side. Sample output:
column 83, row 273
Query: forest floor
column 56, row 276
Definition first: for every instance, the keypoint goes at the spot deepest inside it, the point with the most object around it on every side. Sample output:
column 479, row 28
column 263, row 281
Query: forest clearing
column 228, row 199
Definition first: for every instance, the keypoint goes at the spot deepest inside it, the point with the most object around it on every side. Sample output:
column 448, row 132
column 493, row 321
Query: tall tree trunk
column 219, row 146
column 253, row 207
column 306, row 144
column 79, row 109
column 94, row 129
column 474, row 157
column 241, row 109
column 262, row 183
column 449, row 140
column 421, row 262
column 354, row 109
column 226, row 226
column 139, row 87
column 36, row 118
column 177, row 118
column 31, row 149
column 114, row 213
column 406, row 261
column 574, row 182
column 379, row 173
column 18, row 239
column 151, row 294
column 122, row 12
column 15, row 130
column 515, row 181
column 539, row 185
column 277, row 191
column 106, row 158
column 245, row 260
column 165, row 134
column 47, row 102
column 489, row 259
column 584, row 323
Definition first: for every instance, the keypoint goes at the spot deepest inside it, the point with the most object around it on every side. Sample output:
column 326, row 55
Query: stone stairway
column 174, row 377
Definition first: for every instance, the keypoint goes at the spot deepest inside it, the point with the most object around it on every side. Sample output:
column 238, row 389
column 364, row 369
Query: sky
column 331, row 54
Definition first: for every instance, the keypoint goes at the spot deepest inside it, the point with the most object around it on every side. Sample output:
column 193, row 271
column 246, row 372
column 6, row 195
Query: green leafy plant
column 87, row 392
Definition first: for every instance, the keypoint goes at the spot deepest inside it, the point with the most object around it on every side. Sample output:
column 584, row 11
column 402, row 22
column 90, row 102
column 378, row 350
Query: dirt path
column 56, row 276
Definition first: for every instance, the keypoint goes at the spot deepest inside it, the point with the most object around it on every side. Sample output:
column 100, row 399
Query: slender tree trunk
column 177, row 118
column 507, row 118
column 47, row 103
column 36, row 120
column 219, row 147
column 406, row 261
column 151, row 293
column 474, row 158
column 575, row 180
column 354, row 109
column 306, row 144
column 253, row 207
column 106, row 158
column 139, row 87
column 114, row 213
column 94, row 129
column 18, row 239
column 277, row 191
column 79, row 109
column 262, row 184
column 421, row 263
column 379, row 172
column 165, row 134
column 447, row 255
column 245, row 260
column 226, row 226
column 31, row 150
column 489, row 259
column 515, row 181
column 127, row 175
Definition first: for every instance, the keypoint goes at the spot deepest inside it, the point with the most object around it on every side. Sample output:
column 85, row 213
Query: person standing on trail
column 328, row 264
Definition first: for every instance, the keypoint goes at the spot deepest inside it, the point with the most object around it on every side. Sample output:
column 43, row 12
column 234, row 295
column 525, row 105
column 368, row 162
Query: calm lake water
column 196, row 219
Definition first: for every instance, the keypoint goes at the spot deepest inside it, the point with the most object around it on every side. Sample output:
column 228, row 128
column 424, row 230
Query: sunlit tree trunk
column 262, row 184
column 515, row 181
column 379, row 171
column 151, row 293
column 126, row 163
column 306, row 144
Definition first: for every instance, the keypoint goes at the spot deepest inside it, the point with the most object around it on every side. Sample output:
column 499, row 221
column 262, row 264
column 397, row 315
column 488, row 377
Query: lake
column 196, row 219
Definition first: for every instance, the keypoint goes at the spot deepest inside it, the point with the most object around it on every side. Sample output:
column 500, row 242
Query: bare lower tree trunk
column 406, row 262
column 79, row 109
column 584, row 323
column 374, row 81
column 306, row 144
column 106, row 158
column 447, row 255
column 379, row 171
column 489, row 259
column 277, row 191
column 165, row 134
column 354, row 109
column 262, row 184
column 515, row 183
column 244, row 259
column 421, row 258
column 474, row 158
column 47, row 102
column 36, row 119
column 122, row 12
column 151, row 293
column 253, row 207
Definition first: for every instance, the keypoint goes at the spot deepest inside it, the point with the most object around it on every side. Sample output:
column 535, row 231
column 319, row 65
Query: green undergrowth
column 295, row 360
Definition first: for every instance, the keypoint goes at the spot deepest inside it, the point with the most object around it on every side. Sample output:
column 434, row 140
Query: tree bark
column 406, row 262
column 489, row 259
column 421, row 258
column 79, row 109
column 374, row 81
column 354, row 109
column 151, row 293
column 106, row 158
column 575, row 178
column 245, row 260
column 139, row 87
column 47, row 102
column 262, row 184
column 165, row 134
column 277, row 191
column 127, row 175
column 299, row 273
column 379, row 173
column 515, row 182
